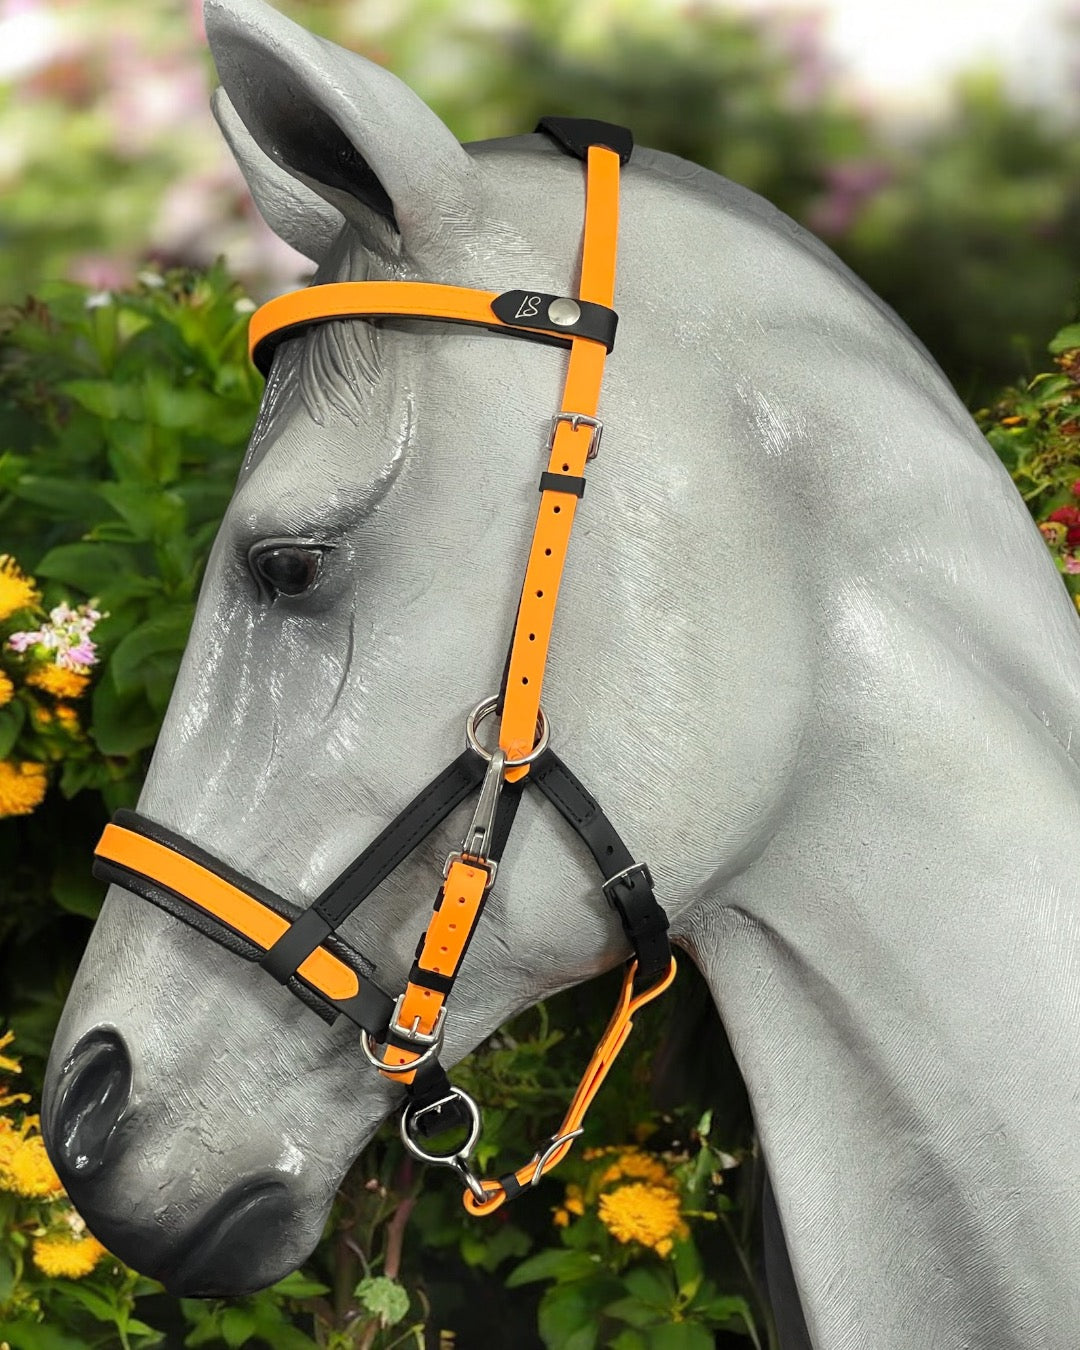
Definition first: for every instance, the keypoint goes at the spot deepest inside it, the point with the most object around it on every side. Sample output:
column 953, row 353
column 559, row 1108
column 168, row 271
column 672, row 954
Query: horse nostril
column 91, row 1094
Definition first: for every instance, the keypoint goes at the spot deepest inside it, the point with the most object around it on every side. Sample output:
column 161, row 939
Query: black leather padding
column 203, row 922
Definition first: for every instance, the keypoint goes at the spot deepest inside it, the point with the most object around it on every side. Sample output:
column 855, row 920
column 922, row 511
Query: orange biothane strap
column 614, row 1038
column 227, row 903
column 279, row 318
column 442, row 948
column 569, row 451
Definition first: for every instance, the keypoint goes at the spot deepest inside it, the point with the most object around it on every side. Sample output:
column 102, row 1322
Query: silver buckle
column 431, row 1039
column 642, row 868
column 576, row 420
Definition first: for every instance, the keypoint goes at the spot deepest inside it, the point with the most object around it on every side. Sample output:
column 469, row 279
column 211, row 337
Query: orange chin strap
column 164, row 869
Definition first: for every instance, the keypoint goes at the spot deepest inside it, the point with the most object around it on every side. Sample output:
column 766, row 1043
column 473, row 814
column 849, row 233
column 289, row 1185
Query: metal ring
column 484, row 709
column 446, row 1159
column 367, row 1044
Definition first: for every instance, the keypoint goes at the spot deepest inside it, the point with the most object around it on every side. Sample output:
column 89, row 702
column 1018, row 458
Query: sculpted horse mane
column 810, row 652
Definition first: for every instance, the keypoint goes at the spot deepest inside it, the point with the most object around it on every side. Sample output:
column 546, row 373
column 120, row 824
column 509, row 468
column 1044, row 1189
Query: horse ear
column 293, row 211
column 346, row 128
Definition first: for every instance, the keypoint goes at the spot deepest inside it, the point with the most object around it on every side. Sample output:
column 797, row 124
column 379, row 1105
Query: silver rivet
column 564, row 312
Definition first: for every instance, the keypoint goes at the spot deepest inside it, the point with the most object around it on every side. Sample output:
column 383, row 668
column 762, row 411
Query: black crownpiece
column 576, row 134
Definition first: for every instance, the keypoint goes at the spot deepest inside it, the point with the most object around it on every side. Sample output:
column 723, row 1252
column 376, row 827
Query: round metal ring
column 367, row 1045
column 484, row 709
column 448, row 1159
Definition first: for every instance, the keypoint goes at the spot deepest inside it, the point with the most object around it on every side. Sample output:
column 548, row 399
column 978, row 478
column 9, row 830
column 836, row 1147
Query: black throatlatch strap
column 627, row 884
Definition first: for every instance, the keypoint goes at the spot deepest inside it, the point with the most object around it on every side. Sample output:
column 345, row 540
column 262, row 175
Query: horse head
column 773, row 662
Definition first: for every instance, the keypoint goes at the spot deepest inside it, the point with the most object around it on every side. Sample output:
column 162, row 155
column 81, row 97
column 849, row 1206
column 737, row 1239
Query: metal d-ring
column 484, row 709
column 459, row 1159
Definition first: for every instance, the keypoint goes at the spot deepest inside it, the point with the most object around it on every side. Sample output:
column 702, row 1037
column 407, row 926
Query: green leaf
column 74, row 888
column 730, row 1311
column 90, row 567
column 1065, row 339
column 299, row 1285
column 237, row 1326
column 687, row 1266
column 556, row 1263
column 383, row 1296
column 11, row 723
column 63, row 497
column 567, row 1317
column 628, row 1340
column 106, row 398
column 121, row 724
column 166, row 634
column 679, row 1336
column 633, row 1311
column 651, row 1287
column 29, row 1335
column 7, row 1277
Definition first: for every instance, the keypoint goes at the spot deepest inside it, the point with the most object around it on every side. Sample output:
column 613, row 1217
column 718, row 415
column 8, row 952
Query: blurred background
column 932, row 145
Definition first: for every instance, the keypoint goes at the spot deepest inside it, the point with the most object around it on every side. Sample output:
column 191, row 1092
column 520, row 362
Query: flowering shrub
column 629, row 1273
column 56, row 1284
column 1035, row 428
column 43, row 672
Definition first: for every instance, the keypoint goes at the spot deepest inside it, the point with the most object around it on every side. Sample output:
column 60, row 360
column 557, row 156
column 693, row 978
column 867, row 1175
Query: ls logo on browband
column 302, row 949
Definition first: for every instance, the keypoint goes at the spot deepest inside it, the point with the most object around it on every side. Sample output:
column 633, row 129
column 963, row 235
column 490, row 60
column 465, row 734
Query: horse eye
column 288, row 569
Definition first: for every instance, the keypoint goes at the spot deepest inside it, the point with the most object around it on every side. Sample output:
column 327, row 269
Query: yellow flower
column 641, row 1213
column 638, row 1166
column 67, row 1255
column 7, row 689
column 6, row 1062
column 22, row 787
column 16, row 590
column 561, row 1219
column 67, row 717
column 575, row 1201
column 24, row 1165
column 59, row 682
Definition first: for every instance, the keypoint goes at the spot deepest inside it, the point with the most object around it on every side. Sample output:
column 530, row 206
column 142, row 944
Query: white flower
column 98, row 299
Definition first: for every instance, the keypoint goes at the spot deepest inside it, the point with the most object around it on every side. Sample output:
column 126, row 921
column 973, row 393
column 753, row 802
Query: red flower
column 1076, row 486
column 1067, row 515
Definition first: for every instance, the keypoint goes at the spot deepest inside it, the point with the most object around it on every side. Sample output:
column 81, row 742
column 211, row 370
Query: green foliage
column 1035, row 428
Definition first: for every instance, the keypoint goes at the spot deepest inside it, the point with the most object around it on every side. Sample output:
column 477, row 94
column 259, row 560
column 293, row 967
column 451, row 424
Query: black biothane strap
column 534, row 309
column 628, row 885
column 427, row 810
column 576, row 134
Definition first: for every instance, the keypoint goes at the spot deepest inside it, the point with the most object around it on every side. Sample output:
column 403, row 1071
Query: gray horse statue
column 811, row 654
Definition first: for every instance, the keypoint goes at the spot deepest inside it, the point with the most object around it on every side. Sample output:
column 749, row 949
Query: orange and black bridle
column 302, row 948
